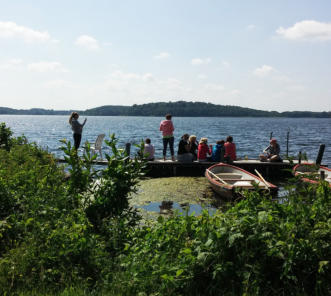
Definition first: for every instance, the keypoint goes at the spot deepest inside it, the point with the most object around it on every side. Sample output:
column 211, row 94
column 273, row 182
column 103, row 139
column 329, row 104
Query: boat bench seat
column 229, row 176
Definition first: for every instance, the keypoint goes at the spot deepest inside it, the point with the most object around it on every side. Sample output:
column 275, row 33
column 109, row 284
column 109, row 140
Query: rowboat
column 227, row 180
column 312, row 173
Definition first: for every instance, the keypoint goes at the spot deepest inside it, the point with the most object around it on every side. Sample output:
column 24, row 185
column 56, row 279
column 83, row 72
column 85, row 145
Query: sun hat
column 203, row 140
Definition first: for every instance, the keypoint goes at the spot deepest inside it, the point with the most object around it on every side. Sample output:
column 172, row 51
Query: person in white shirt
column 149, row 150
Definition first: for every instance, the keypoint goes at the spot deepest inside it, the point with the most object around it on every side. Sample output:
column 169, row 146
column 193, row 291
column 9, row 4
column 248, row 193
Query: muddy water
column 182, row 194
column 186, row 195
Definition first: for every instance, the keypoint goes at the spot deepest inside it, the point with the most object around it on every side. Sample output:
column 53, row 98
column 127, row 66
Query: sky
column 266, row 55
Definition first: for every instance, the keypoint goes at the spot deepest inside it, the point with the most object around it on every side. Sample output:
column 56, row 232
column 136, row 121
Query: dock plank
column 169, row 168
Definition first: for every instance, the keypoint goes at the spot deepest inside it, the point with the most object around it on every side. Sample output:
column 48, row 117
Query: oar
column 217, row 177
column 263, row 180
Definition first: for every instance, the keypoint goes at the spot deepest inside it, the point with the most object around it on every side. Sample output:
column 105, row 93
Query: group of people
column 188, row 148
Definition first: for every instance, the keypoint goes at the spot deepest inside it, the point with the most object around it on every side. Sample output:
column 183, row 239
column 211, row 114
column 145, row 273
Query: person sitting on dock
column 184, row 154
column 203, row 150
column 271, row 153
column 218, row 152
column 230, row 150
column 167, row 129
column 149, row 150
column 193, row 146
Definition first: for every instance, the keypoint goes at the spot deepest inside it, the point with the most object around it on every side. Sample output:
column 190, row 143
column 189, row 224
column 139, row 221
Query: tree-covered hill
column 180, row 108
column 33, row 111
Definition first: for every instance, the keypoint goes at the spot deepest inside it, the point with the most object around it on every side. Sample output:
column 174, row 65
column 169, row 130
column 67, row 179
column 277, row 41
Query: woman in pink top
column 230, row 150
column 167, row 129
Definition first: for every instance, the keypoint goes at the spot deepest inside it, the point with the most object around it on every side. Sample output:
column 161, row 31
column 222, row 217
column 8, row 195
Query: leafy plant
column 5, row 136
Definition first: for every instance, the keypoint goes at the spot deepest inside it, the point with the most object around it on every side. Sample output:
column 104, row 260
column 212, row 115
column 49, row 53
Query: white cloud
column 130, row 87
column 235, row 92
column 263, row 71
column 297, row 88
column 47, row 67
column 226, row 64
column 87, row 42
column 199, row 61
column 162, row 56
column 58, row 84
column 202, row 76
column 213, row 87
column 12, row 30
column 250, row 27
column 307, row 30
column 11, row 64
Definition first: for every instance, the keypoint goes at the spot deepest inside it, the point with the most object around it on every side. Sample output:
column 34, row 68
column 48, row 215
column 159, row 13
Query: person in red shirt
column 203, row 150
column 230, row 150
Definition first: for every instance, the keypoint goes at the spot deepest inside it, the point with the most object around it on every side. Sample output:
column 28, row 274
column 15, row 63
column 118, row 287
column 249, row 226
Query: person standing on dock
column 77, row 128
column 167, row 129
column 230, row 150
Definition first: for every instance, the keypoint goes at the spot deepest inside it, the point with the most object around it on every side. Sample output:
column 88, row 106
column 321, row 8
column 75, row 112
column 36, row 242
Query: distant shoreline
column 178, row 109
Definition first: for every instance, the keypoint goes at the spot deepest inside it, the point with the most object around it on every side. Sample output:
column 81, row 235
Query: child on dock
column 218, row 151
column 193, row 146
column 230, row 150
column 184, row 147
column 149, row 150
column 203, row 150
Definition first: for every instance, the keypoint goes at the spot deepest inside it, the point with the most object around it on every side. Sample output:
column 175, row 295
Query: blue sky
column 268, row 55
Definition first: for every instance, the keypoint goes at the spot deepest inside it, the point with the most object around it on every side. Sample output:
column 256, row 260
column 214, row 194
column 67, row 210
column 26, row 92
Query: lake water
column 251, row 135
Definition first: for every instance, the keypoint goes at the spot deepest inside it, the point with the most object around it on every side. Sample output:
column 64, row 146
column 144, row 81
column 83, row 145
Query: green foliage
column 47, row 240
column 5, row 136
column 259, row 247
column 76, row 234
column 117, row 180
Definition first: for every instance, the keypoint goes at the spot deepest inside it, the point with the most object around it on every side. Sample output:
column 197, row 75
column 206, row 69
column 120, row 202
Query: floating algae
column 185, row 194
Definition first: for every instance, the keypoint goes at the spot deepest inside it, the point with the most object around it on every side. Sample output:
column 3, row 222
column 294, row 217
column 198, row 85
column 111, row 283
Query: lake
column 251, row 135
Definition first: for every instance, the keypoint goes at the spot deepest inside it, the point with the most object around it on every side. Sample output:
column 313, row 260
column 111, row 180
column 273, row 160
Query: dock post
column 320, row 154
column 287, row 140
column 174, row 171
column 270, row 135
column 300, row 156
column 128, row 149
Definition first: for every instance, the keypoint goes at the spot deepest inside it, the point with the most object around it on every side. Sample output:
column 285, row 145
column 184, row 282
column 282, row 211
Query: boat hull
column 227, row 180
column 311, row 173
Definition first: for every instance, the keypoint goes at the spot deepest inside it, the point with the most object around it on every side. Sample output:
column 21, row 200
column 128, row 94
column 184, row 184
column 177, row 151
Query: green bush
column 75, row 234
column 259, row 247
column 48, row 237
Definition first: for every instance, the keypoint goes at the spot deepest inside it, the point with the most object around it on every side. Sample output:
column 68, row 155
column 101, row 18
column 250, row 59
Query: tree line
column 179, row 108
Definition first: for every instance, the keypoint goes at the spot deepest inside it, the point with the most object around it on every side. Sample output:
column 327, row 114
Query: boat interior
column 238, row 180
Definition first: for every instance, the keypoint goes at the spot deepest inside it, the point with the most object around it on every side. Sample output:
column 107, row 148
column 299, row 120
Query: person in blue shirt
column 218, row 151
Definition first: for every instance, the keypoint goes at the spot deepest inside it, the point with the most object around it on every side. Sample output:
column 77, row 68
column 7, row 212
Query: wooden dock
column 159, row 168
